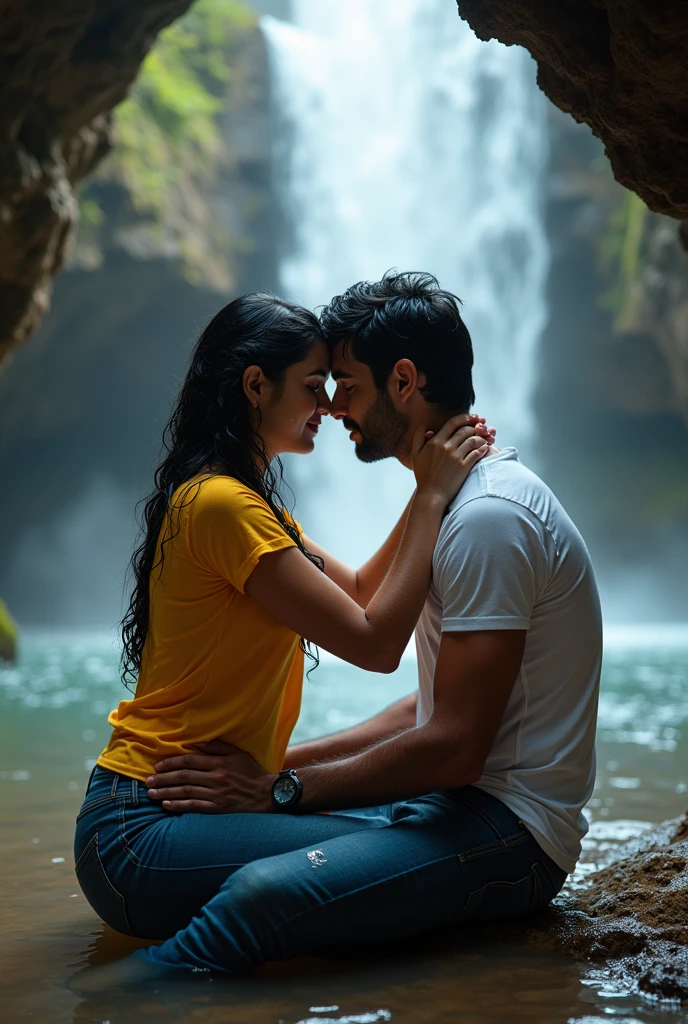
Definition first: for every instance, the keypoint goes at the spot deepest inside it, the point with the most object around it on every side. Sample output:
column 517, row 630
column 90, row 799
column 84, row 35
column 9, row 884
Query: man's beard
column 383, row 429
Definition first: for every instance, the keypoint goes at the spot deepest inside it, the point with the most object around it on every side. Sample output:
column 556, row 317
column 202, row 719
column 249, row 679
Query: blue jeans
column 230, row 891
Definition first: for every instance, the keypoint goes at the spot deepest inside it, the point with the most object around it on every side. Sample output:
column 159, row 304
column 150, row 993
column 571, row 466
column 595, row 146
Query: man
column 483, row 775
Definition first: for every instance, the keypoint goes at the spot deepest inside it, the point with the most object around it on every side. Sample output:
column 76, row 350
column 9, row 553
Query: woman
column 217, row 655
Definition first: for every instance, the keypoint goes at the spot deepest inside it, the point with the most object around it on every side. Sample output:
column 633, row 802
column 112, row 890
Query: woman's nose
column 324, row 406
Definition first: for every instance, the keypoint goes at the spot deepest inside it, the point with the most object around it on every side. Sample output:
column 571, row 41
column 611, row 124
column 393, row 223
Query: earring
column 255, row 405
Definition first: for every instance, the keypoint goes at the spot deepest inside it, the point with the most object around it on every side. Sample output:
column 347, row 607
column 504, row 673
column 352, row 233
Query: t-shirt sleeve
column 293, row 522
column 488, row 566
column 231, row 528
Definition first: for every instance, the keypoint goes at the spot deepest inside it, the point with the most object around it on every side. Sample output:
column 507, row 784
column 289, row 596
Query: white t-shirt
column 509, row 557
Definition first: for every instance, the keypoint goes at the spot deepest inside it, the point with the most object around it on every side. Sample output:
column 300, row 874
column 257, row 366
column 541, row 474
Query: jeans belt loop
column 135, row 792
column 113, row 791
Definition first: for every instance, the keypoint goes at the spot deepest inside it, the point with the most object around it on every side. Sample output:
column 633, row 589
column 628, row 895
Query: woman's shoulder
column 213, row 493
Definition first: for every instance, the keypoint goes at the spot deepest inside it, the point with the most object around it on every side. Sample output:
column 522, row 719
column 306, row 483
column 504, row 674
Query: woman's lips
column 313, row 427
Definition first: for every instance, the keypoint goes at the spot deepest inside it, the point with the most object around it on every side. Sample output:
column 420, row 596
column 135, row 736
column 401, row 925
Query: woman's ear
column 253, row 382
column 406, row 379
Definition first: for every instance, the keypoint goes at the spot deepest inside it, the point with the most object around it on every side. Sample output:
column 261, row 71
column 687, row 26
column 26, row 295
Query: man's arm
column 474, row 677
column 393, row 720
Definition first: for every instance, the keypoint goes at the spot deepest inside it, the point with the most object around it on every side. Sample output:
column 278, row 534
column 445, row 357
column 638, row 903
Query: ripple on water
column 350, row 1018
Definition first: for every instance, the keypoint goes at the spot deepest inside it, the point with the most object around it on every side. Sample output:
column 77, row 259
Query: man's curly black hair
column 406, row 316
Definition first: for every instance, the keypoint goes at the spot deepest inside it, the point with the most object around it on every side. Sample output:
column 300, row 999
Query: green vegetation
column 168, row 140
column 9, row 634
column 621, row 253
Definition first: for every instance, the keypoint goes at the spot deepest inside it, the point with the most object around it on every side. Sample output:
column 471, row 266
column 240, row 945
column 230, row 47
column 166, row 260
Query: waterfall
column 403, row 141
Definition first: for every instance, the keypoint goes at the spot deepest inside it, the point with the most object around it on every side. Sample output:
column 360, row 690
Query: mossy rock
column 9, row 634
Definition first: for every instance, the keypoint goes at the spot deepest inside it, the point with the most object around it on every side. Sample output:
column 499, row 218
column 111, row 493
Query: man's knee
column 255, row 885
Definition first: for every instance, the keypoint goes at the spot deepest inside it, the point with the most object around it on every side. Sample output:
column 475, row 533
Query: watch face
column 284, row 790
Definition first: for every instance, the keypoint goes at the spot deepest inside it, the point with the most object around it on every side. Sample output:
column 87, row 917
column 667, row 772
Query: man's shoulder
column 502, row 484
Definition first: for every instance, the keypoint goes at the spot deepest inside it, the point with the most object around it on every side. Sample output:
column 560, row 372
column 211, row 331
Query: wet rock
column 632, row 915
column 63, row 67
column 619, row 67
column 8, row 634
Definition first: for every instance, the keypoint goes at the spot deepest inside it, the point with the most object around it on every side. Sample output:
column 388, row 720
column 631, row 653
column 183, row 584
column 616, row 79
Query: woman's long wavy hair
column 210, row 431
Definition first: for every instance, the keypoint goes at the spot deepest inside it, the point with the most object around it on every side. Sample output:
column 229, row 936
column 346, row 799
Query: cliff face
column 63, row 67
column 619, row 67
column 82, row 405
column 612, row 360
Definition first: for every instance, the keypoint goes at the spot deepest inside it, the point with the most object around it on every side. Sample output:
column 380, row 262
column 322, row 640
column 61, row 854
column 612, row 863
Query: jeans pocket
column 500, row 898
column 107, row 902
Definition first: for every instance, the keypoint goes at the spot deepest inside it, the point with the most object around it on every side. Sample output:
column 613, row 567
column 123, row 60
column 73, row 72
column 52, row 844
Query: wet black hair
column 210, row 431
column 406, row 316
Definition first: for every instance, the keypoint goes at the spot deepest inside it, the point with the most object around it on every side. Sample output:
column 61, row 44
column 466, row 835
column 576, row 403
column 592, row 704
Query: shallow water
column 54, row 705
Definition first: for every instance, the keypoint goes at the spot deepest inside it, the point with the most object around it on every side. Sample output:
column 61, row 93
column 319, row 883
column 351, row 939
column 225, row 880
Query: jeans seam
column 85, row 852
column 494, row 847
column 93, row 845
column 99, row 801
column 549, row 874
column 123, row 839
column 538, row 899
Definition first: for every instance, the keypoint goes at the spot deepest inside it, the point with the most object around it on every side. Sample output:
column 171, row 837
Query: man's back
column 509, row 557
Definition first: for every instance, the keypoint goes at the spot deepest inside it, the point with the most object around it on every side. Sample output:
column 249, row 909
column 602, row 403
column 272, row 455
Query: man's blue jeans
column 230, row 891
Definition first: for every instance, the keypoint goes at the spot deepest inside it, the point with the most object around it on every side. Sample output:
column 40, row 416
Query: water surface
column 54, row 705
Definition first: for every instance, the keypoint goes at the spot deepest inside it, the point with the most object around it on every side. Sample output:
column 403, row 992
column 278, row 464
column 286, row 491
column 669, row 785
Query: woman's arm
column 360, row 584
column 297, row 594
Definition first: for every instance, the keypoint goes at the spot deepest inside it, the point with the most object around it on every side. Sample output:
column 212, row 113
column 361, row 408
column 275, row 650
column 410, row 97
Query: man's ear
column 405, row 380
column 253, row 382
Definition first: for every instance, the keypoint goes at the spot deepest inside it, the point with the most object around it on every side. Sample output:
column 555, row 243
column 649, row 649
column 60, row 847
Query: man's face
column 376, row 426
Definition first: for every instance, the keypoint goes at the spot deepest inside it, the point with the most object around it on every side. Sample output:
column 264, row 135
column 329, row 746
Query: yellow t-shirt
column 215, row 664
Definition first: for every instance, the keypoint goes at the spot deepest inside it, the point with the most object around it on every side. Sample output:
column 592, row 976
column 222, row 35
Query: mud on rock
column 632, row 914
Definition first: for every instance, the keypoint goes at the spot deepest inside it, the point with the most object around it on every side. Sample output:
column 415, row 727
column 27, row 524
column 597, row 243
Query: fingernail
column 152, row 792
column 150, row 781
column 429, row 434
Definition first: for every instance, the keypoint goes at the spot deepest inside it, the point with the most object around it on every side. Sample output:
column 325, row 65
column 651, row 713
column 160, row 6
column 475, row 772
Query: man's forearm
column 389, row 722
column 413, row 763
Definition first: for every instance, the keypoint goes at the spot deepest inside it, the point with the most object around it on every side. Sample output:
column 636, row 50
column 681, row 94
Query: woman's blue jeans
column 230, row 891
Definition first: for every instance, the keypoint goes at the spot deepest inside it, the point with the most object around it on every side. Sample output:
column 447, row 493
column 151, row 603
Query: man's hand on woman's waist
column 221, row 780
column 474, row 676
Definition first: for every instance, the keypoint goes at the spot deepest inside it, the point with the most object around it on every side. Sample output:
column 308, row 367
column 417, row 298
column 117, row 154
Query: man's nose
column 339, row 406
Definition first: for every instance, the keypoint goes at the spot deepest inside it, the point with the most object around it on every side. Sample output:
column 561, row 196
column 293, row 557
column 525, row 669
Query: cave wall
column 612, row 399
column 82, row 407
column 617, row 65
column 63, row 67
column 613, row 436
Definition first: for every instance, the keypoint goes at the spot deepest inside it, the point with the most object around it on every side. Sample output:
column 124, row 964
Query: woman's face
column 290, row 413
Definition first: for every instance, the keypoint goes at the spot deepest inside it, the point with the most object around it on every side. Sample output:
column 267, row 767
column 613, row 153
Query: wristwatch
column 286, row 790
